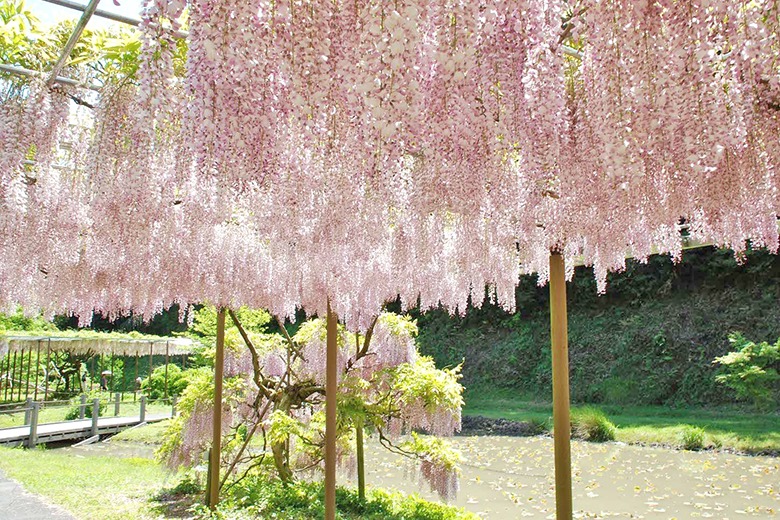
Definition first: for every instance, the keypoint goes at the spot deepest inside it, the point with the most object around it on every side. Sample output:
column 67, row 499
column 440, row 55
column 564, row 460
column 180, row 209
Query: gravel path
column 18, row 504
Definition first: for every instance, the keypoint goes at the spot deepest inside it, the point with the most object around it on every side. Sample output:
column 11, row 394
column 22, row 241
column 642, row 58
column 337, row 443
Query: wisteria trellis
column 370, row 149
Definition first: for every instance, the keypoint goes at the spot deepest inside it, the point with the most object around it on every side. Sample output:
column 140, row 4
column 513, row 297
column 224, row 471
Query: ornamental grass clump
column 692, row 438
column 591, row 424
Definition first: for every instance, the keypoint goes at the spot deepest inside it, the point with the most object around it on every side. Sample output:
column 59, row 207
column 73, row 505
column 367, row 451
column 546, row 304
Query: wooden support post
column 46, row 372
column 21, row 374
column 166, row 370
column 560, row 367
column 37, row 370
column 7, row 375
column 27, row 410
column 330, row 414
column 83, row 407
column 27, row 381
column 117, row 398
column 95, row 415
column 136, row 386
column 32, row 440
column 214, row 454
column 112, row 385
column 101, row 367
column 208, row 480
column 174, row 402
column 142, row 413
column 151, row 360
column 13, row 372
column 361, row 467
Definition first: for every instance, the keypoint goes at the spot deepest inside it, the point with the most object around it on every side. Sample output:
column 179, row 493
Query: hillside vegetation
column 649, row 340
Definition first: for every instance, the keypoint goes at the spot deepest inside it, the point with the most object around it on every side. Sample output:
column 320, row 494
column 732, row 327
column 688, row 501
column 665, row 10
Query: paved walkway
column 18, row 504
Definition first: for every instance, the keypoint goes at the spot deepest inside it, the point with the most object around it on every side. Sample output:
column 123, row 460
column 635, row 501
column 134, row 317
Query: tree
column 751, row 370
column 275, row 394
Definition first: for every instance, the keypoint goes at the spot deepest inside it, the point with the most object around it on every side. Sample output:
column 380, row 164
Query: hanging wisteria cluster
column 365, row 150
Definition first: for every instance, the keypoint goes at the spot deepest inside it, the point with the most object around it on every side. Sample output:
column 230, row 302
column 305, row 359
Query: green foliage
column 437, row 389
column 18, row 322
column 649, row 340
column 434, row 449
column 259, row 497
column 591, row 424
column 74, row 412
column 692, row 438
column 751, row 370
column 204, row 322
column 154, row 385
column 399, row 324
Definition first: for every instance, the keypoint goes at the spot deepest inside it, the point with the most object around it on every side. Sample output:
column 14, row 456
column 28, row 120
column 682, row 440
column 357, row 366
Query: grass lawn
column 727, row 429
column 148, row 434
column 89, row 487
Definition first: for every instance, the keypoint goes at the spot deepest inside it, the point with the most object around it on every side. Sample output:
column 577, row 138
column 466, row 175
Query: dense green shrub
column 751, row 370
column 154, row 386
column 692, row 438
column 591, row 424
column 259, row 497
column 74, row 412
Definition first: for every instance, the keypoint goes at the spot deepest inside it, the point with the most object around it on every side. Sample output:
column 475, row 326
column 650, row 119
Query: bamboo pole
column 151, row 361
column 560, row 367
column 330, row 415
column 113, row 379
column 27, row 382
column 166, row 370
column 13, row 373
column 361, row 466
column 7, row 384
column 72, row 41
column 37, row 370
column 94, row 367
column 46, row 372
column 214, row 454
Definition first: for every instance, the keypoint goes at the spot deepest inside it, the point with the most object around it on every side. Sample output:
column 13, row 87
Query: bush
column 751, row 370
column 154, row 386
column 74, row 412
column 692, row 438
column 259, row 497
column 592, row 425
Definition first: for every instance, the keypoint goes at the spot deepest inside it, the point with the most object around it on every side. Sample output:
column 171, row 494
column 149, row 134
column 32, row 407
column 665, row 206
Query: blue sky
column 50, row 14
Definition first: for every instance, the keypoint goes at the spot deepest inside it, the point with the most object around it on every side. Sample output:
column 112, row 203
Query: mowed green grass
column 729, row 429
column 89, row 487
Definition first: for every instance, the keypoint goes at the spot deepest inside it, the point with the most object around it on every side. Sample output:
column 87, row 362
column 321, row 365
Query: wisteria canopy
column 364, row 150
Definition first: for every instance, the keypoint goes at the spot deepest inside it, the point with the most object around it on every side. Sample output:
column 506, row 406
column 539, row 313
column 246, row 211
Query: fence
column 34, row 414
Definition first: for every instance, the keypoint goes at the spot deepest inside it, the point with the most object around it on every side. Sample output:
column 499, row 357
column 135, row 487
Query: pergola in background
column 34, row 348
column 669, row 124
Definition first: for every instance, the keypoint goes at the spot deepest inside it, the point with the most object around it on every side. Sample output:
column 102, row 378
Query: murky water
column 113, row 449
column 508, row 478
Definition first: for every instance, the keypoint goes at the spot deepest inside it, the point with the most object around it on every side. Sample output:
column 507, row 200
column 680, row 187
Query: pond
column 510, row 477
